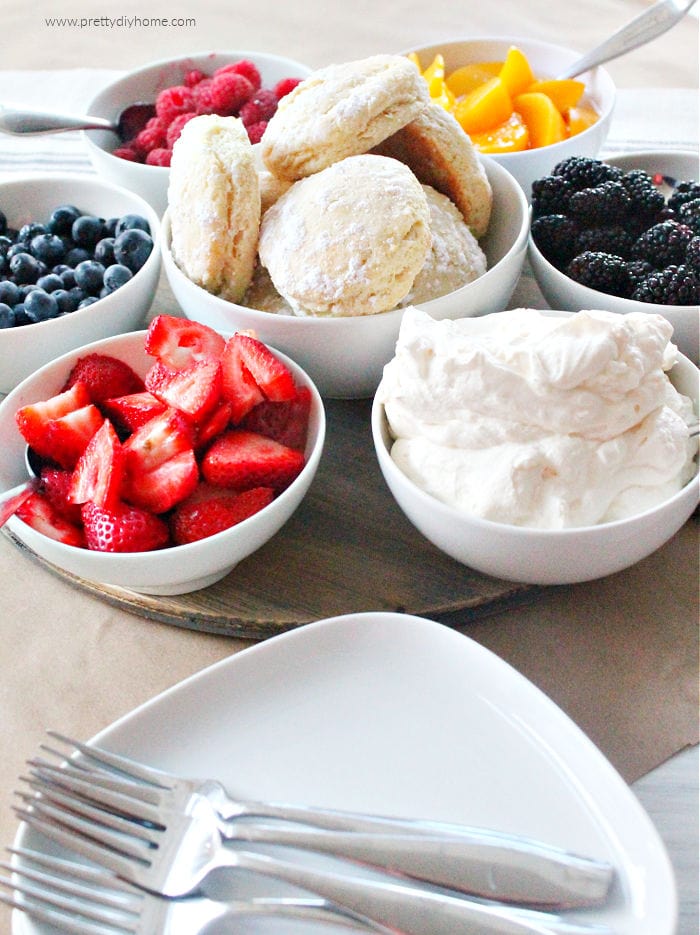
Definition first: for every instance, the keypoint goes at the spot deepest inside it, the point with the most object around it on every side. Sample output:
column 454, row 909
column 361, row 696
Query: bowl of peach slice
column 506, row 94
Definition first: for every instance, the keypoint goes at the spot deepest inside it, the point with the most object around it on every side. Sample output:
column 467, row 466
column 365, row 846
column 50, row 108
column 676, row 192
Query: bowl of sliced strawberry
column 164, row 457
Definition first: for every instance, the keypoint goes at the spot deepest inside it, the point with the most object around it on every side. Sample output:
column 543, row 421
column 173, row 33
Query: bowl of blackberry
column 79, row 261
column 621, row 234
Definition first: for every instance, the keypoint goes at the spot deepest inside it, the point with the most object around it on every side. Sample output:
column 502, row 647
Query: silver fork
column 471, row 860
column 176, row 861
column 88, row 901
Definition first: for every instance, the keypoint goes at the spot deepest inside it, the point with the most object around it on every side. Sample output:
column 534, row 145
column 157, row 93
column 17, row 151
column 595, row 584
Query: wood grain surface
column 347, row 548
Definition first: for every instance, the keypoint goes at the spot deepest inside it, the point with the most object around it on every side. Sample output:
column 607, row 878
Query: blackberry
column 602, row 271
column 692, row 255
column 674, row 285
column 555, row 236
column 663, row 244
column 607, row 203
column 683, row 192
column 646, row 199
column 550, row 195
column 638, row 270
column 614, row 239
column 585, row 172
column 689, row 213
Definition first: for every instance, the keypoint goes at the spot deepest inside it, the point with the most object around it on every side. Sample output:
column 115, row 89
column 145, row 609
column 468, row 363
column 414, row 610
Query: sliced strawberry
column 123, row 529
column 60, row 428
column 195, row 390
column 179, row 342
column 38, row 512
column 215, row 423
column 211, row 509
column 104, row 377
column 273, row 377
column 240, row 460
column 100, row 469
column 134, row 410
column 162, row 437
column 238, row 385
column 55, row 486
column 161, row 488
column 287, row 422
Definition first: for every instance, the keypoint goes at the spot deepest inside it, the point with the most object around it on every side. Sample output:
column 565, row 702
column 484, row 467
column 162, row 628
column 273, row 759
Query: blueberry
column 27, row 231
column 67, row 302
column 104, row 251
column 131, row 222
column 115, row 276
column 77, row 255
column 67, row 278
column 78, row 295
column 88, row 300
column 89, row 276
column 50, row 283
column 9, row 293
column 19, row 246
column 48, row 248
column 133, row 248
column 87, row 230
column 21, row 315
column 26, row 289
column 40, row 306
column 3, row 222
column 24, row 268
column 5, row 244
column 111, row 226
column 62, row 219
column 7, row 316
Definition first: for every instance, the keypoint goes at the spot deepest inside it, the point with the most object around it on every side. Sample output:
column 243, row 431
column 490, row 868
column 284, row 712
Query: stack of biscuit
column 365, row 197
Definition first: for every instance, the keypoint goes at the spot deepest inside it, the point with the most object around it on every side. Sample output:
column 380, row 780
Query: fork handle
column 408, row 909
column 480, row 864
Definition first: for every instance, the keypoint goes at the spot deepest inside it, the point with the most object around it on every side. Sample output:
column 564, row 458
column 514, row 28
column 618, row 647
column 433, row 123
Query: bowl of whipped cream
column 538, row 446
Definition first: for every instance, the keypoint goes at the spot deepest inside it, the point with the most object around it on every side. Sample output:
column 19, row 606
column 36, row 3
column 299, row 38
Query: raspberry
column 174, row 101
column 152, row 136
column 663, row 244
column 202, row 97
column 260, row 107
column 228, row 92
column 256, row 130
column 243, row 67
column 126, row 152
column 193, row 77
column 601, row 271
column 285, row 86
column 175, row 128
column 159, row 157
column 674, row 285
column 555, row 236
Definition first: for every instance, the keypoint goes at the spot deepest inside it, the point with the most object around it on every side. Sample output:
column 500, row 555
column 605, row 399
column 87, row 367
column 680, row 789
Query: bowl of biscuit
column 362, row 198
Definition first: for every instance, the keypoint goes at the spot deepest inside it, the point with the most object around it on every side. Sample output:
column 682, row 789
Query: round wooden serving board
column 348, row 548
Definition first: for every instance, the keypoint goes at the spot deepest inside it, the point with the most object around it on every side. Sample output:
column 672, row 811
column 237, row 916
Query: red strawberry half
column 100, row 469
column 239, row 459
column 287, row 422
column 273, row 378
column 104, row 377
column 60, row 428
column 132, row 411
column 160, row 467
column 194, row 390
column 179, row 342
column 211, row 509
column 38, row 512
column 238, row 384
column 123, row 529
column 55, row 486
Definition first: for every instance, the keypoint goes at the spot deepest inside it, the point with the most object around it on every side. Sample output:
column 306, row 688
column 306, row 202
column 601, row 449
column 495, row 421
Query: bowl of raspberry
column 79, row 261
column 622, row 235
column 164, row 456
column 244, row 84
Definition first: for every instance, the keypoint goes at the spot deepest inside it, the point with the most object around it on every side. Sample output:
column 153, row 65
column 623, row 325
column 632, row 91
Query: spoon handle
column 12, row 500
column 32, row 122
column 640, row 30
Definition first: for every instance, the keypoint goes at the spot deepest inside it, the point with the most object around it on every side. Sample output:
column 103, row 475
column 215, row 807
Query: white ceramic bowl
column 345, row 356
column 143, row 84
column 564, row 293
column 547, row 61
column 176, row 570
column 539, row 556
column 32, row 198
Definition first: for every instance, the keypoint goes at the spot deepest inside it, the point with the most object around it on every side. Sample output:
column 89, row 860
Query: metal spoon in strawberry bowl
column 11, row 500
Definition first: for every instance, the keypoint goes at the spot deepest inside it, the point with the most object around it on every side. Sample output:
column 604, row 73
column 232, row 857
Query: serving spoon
column 642, row 29
column 33, row 122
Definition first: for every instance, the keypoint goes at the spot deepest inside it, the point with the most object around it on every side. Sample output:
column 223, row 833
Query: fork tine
column 96, row 792
column 98, row 777
column 94, row 876
column 121, row 764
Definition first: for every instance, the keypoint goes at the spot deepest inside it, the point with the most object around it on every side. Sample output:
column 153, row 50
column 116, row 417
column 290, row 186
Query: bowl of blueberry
column 244, row 84
column 623, row 235
column 79, row 261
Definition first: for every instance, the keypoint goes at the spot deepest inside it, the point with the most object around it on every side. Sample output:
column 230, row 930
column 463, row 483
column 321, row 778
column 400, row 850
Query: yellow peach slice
column 516, row 73
column 564, row 93
column 486, row 107
column 544, row 122
column 511, row 136
column 464, row 80
column 580, row 118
